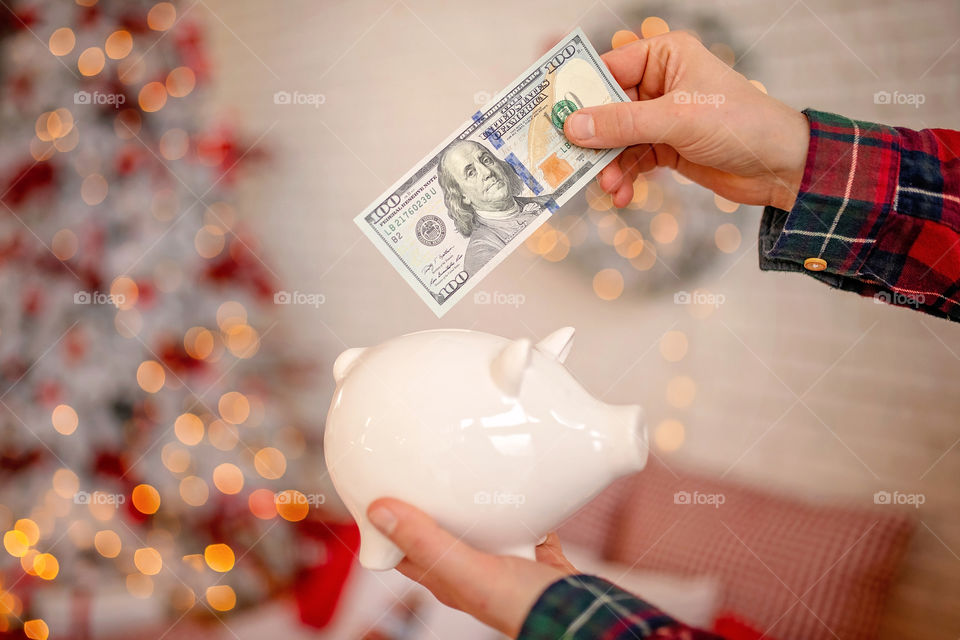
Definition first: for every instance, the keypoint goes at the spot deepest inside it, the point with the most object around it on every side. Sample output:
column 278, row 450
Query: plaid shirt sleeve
column 585, row 607
column 881, row 207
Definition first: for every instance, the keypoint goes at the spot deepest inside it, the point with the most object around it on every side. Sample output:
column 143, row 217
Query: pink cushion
column 790, row 568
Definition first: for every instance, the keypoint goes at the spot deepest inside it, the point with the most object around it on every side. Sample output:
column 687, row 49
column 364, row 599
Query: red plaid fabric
column 789, row 568
column 881, row 205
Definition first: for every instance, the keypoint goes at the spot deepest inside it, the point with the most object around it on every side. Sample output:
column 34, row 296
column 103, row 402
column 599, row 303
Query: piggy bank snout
column 631, row 447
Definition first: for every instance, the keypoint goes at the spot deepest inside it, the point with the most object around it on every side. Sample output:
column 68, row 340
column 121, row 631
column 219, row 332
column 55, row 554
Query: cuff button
column 814, row 264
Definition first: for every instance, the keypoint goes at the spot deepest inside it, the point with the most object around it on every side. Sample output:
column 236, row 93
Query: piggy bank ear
column 509, row 365
column 557, row 344
column 344, row 361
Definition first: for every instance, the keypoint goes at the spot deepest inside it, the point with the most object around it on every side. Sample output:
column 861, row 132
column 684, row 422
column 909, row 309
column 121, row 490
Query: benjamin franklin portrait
column 482, row 195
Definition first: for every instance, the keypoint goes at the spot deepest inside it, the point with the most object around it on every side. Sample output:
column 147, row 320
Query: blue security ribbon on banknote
column 486, row 188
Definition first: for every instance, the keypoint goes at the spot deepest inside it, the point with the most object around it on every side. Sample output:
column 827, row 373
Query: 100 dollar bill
column 477, row 196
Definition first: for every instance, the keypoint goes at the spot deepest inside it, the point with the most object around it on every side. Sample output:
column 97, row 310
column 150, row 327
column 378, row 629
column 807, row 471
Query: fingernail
column 581, row 126
column 383, row 519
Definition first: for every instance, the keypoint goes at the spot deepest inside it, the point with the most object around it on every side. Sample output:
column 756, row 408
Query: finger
column 636, row 160
column 622, row 124
column 624, row 195
column 610, row 177
column 551, row 553
column 423, row 541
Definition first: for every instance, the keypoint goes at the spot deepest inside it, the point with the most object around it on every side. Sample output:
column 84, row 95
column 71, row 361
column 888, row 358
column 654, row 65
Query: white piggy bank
column 493, row 438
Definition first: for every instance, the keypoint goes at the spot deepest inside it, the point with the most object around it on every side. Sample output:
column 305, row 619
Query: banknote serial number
column 392, row 228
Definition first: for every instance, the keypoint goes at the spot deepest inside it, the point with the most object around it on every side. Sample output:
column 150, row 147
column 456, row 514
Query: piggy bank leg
column 376, row 551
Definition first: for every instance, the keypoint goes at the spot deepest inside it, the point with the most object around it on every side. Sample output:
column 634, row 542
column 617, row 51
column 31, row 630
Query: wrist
column 787, row 188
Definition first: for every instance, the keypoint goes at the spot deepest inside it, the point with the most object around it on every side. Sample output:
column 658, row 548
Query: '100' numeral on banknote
column 493, row 181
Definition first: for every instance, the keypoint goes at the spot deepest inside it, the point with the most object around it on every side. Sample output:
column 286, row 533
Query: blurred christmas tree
column 146, row 456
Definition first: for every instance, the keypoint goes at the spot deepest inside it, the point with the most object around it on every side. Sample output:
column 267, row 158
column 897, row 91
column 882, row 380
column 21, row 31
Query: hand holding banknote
column 693, row 113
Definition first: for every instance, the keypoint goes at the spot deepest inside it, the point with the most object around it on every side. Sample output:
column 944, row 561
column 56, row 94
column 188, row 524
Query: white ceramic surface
column 493, row 438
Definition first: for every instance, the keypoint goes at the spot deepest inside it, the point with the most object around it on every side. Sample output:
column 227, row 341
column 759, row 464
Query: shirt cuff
column 584, row 607
column 846, row 194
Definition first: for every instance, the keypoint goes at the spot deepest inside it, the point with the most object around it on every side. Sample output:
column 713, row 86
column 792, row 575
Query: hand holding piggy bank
column 493, row 438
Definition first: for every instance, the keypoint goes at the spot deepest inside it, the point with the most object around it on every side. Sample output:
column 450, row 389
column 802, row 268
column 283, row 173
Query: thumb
column 622, row 124
column 422, row 540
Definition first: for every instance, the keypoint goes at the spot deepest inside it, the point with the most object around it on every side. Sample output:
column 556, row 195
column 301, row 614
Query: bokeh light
column 270, row 463
column 65, row 483
column 62, row 41
column 150, row 376
column 234, row 407
column 673, row 346
column 119, row 44
column 148, row 561
column 681, row 391
column 292, row 505
column 219, row 557
column 146, row 499
column 36, row 629
column 194, row 491
column 139, row 585
column 161, row 16
column 727, row 206
column 64, row 419
column 16, row 543
column 664, row 228
column 174, row 458
column 152, row 97
column 608, row 284
column 91, row 61
column 180, row 82
column 107, row 543
column 221, row 597
column 727, row 237
column 228, row 478
column 262, row 503
column 94, row 189
column 654, row 26
column 188, row 428
column 669, row 435
column 64, row 244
